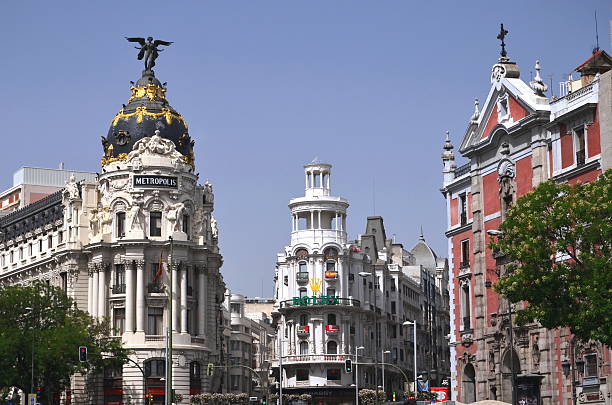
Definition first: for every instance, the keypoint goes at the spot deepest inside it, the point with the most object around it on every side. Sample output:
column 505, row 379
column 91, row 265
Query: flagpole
column 169, row 398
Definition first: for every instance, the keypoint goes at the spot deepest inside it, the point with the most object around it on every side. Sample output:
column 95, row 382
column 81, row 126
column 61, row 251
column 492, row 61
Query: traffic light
column 82, row 354
column 210, row 369
column 348, row 365
column 264, row 400
column 149, row 399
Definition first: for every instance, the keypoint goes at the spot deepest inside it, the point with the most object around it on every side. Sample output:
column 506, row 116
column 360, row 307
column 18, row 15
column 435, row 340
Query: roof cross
column 501, row 36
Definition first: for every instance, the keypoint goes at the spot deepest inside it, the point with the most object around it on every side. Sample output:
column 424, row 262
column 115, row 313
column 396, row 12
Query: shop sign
column 154, row 181
column 316, row 300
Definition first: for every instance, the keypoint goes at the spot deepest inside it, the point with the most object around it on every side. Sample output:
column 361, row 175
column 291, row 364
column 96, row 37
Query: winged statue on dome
column 148, row 49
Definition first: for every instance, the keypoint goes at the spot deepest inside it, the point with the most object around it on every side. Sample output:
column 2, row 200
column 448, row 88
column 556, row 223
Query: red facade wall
column 490, row 191
column 585, row 177
column 516, row 110
column 490, row 123
column 567, row 148
column 456, row 263
column 524, row 175
column 492, row 298
column 593, row 140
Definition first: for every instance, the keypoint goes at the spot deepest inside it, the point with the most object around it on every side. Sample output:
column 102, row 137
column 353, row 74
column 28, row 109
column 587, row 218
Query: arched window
column 330, row 253
column 331, row 319
column 303, row 319
column 195, row 378
column 303, row 347
column 155, row 368
column 332, row 347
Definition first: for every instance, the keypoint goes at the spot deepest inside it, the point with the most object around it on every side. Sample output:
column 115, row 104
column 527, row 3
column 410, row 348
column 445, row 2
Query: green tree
column 41, row 321
column 557, row 241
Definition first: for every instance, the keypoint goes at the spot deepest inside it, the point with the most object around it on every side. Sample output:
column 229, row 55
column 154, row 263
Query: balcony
column 317, row 358
column 300, row 302
column 580, row 158
column 156, row 288
column 118, row 289
column 331, row 275
column 303, row 330
column 302, row 277
column 332, row 329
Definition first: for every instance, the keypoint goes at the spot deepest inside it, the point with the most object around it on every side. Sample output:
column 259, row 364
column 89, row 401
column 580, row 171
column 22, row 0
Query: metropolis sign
column 155, row 181
column 316, row 300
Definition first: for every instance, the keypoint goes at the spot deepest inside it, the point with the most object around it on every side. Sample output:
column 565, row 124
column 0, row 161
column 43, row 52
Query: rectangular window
column 119, row 320
column 303, row 292
column 50, row 242
column 331, row 292
column 12, row 257
column 64, row 281
column 465, row 253
column 235, row 308
column 119, row 274
column 301, row 374
column 463, row 208
column 393, row 309
column 580, row 146
column 120, row 224
column 30, row 250
column 155, row 223
column 302, row 267
column 590, row 365
column 40, row 246
column 186, row 224
column 155, row 321
column 333, row 374
column 189, row 322
column 21, row 253
column 60, row 237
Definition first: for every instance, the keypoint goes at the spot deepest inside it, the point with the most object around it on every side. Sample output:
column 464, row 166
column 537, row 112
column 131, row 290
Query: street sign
column 253, row 399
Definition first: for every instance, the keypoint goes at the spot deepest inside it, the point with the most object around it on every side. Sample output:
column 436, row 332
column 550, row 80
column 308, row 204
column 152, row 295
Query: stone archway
column 510, row 362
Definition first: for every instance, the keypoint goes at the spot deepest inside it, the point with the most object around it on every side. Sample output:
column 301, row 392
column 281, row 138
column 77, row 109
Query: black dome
column 147, row 110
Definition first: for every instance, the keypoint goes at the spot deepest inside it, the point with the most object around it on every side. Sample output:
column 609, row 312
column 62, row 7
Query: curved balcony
column 319, row 301
column 317, row 358
column 302, row 277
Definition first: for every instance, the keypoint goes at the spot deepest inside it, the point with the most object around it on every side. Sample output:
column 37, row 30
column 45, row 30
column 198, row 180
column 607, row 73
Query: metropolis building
column 338, row 299
column 111, row 243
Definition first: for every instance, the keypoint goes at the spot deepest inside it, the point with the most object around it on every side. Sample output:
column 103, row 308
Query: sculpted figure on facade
column 71, row 191
column 175, row 215
column 154, row 145
column 214, row 227
column 94, row 223
column 209, row 196
column 199, row 222
column 106, row 219
column 135, row 217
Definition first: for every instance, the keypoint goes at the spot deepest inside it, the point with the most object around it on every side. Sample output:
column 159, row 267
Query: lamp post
column 497, row 233
column 30, row 312
column 382, row 358
column 357, row 374
column 368, row 274
column 570, row 366
column 414, row 350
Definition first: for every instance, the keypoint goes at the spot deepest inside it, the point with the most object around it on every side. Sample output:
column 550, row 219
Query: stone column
column 201, row 300
column 102, row 291
column 94, row 292
column 90, row 288
column 140, row 296
column 129, row 297
column 175, row 294
column 183, row 275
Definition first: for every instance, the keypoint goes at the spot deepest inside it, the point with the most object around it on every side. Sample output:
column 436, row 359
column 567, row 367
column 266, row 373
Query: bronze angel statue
column 148, row 50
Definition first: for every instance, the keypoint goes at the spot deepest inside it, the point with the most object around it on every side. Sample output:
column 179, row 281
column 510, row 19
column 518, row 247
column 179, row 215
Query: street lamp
column 30, row 312
column 357, row 374
column 497, row 233
column 368, row 274
column 414, row 349
column 382, row 358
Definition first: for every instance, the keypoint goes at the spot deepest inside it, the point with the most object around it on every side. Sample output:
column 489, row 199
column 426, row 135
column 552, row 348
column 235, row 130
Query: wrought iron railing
column 336, row 301
column 156, row 288
column 118, row 289
column 461, row 170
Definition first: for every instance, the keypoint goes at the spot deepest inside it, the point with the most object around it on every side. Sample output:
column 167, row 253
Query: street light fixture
column 357, row 374
column 414, row 349
column 382, row 358
column 369, row 274
column 30, row 312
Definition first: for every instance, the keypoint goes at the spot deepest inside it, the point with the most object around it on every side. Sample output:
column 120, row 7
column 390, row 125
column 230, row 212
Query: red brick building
column 519, row 139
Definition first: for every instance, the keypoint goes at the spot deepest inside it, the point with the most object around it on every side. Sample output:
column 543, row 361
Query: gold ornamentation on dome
column 151, row 91
column 189, row 159
column 110, row 158
column 141, row 112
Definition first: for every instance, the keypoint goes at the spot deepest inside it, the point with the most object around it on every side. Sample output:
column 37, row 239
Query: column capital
column 140, row 264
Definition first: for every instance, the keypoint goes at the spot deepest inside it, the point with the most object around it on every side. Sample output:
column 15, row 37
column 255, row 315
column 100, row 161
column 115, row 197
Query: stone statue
column 209, row 197
column 71, row 191
column 106, row 219
column 135, row 218
column 155, row 145
column 93, row 223
column 175, row 215
column 199, row 221
column 148, row 50
column 214, row 228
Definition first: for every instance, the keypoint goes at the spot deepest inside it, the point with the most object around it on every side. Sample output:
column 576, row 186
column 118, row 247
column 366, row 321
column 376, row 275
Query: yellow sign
column 315, row 284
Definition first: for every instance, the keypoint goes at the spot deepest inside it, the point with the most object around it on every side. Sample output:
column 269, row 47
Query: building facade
column 519, row 139
column 114, row 243
column 338, row 299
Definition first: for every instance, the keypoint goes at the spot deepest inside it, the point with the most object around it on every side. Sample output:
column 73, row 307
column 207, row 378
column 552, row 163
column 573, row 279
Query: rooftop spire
column 421, row 237
column 502, row 34
column 448, row 146
column 537, row 84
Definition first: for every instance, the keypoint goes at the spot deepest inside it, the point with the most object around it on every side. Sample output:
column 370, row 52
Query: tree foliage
column 557, row 241
column 41, row 321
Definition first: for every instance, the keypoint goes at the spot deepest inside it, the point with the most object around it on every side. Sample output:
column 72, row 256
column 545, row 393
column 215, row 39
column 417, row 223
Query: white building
column 336, row 299
column 112, row 243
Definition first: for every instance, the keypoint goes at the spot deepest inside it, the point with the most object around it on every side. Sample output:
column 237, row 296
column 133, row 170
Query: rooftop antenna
column 373, row 196
column 552, row 91
column 596, row 34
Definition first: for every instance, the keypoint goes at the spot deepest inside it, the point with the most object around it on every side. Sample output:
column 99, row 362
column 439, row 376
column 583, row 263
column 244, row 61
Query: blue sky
column 266, row 86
